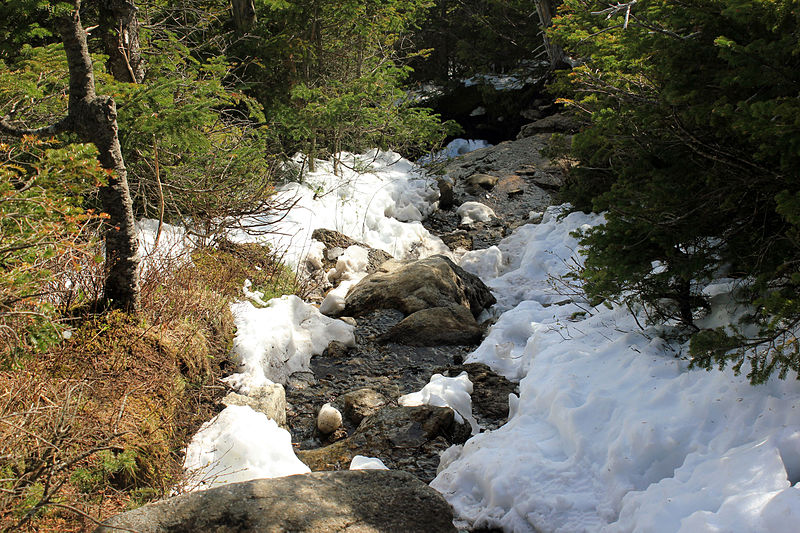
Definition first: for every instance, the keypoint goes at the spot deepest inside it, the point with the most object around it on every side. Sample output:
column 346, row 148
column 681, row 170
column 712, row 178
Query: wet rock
column 358, row 501
column 336, row 350
column 436, row 326
column 349, row 320
column 512, row 198
column 411, row 286
column 334, row 240
column 301, row 380
column 554, row 123
column 269, row 399
column 446, row 197
column 361, row 403
column 458, row 239
column 404, row 438
column 479, row 181
column 511, row 185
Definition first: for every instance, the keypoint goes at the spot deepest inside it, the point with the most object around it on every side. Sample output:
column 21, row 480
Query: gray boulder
column 436, row 326
column 359, row 501
column 411, row 286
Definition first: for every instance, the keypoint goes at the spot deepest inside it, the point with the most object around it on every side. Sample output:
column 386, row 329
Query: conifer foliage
column 691, row 146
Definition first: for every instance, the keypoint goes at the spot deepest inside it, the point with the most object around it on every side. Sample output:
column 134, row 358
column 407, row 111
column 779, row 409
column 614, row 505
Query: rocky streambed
column 412, row 320
column 399, row 347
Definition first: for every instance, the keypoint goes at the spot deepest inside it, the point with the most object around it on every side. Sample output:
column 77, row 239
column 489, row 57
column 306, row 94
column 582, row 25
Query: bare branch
column 65, row 124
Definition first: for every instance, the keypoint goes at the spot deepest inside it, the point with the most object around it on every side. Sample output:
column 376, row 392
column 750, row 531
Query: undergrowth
column 97, row 407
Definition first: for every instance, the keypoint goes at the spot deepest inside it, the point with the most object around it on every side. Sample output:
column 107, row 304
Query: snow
column 446, row 392
column 361, row 462
column 379, row 199
column 275, row 341
column 239, row 444
column 471, row 212
column 454, row 148
column 500, row 82
column 611, row 431
column 351, row 267
column 172, row 250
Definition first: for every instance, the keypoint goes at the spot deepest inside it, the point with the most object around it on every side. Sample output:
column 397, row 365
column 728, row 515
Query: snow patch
column 378, row 198
column 239, row 444
column 471, row 212
column 275, row 341
column 361, row 462
column 446, row 392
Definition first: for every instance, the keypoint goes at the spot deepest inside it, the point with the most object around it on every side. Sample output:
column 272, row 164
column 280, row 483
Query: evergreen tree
column 691, row 147
column 93, row 118
column 329, row 75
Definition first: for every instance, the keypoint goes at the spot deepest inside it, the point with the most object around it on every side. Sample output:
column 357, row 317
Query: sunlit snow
column 611, row 431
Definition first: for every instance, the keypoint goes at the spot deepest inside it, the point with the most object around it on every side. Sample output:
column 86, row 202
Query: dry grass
column 96, row 424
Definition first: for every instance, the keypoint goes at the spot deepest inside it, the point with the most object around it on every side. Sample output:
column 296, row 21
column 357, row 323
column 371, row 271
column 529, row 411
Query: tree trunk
column 556, row 55
column 121, row 40
column 244, row 15
column 94, row 119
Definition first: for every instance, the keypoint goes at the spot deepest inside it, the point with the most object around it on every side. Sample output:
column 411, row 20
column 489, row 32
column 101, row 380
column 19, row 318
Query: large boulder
column 436, row 326
column 404, row 438
column 358, row 501
column 411, row 286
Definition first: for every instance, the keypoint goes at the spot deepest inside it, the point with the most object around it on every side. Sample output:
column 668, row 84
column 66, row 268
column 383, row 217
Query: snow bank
column 379, row 199
column 240, row 444
column 275, row 341
column 611, row 431
column 446, row 392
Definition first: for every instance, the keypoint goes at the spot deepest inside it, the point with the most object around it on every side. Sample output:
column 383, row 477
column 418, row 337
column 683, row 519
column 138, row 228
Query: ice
column 446, row 392
column 275, row 341
column 239, row 444
column 612, row 431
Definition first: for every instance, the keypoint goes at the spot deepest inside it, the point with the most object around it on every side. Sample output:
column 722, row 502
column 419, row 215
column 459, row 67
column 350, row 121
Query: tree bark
column 94, row 119
column 244, row 15
column 556, row 55
column 121, row 40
